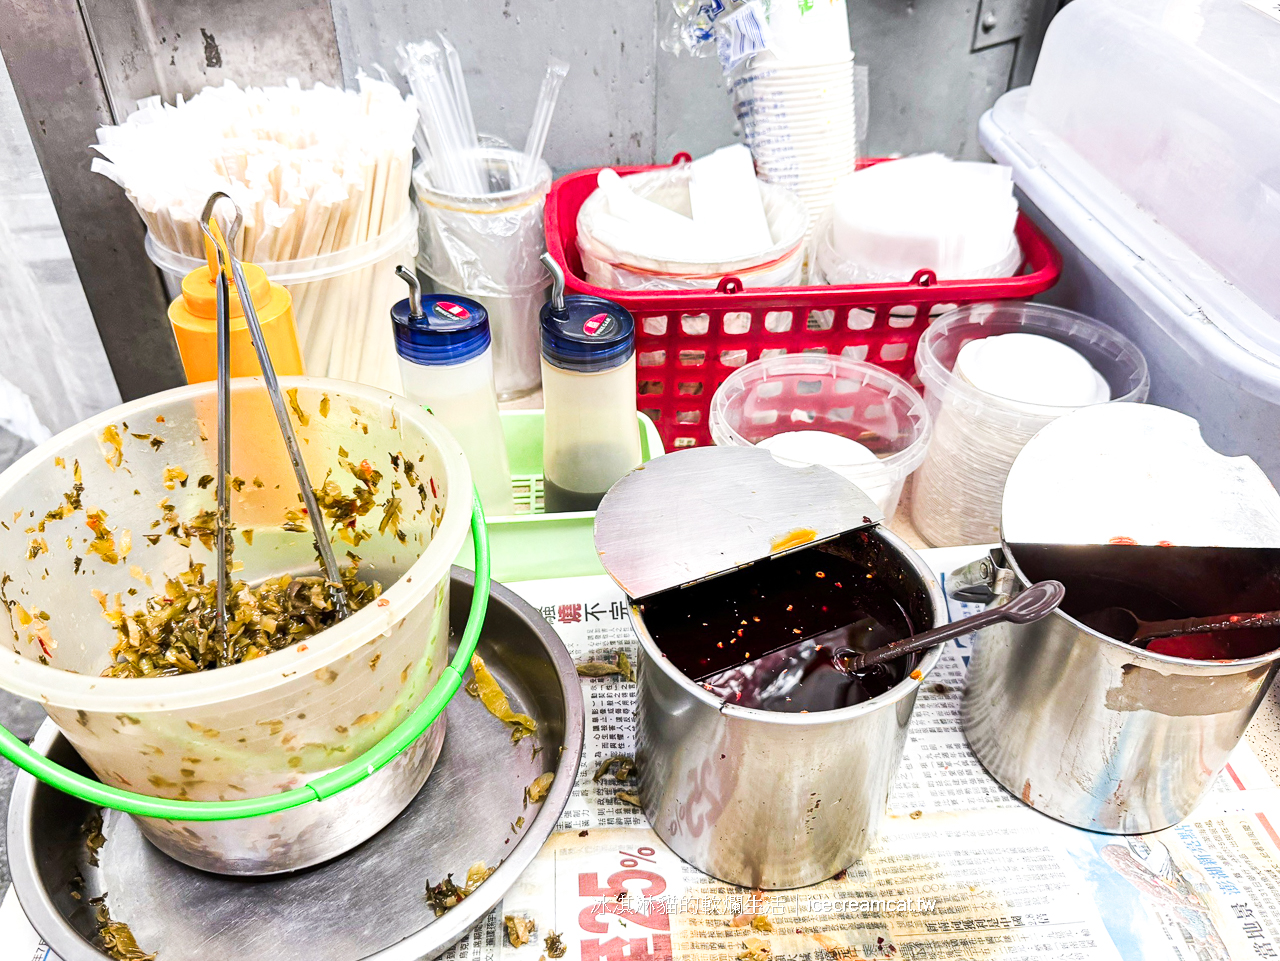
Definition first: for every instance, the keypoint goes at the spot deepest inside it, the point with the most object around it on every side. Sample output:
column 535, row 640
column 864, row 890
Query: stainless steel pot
column 1093, row 731
column 769, row 800
column 755, row 798
column 1087, row 729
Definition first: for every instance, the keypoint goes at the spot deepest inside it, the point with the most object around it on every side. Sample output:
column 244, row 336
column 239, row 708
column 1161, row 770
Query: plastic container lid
column 1135, row 474
column 452, row 330
column 694, row 514
column 1031, row 369
column 589, row 334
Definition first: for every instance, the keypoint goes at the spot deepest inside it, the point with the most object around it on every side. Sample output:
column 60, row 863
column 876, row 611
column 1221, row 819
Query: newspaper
column 961, row 870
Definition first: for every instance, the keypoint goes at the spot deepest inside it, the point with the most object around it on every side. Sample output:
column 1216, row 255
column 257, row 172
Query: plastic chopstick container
column 589, row 392
column 446, row 363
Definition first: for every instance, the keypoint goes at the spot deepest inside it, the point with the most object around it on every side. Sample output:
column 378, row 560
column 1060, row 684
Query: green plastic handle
column 327, row 785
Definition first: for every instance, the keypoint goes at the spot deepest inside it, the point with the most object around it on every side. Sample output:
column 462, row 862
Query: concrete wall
column 933, row 70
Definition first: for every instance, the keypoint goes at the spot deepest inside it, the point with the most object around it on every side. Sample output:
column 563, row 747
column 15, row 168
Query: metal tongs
column 230, row 271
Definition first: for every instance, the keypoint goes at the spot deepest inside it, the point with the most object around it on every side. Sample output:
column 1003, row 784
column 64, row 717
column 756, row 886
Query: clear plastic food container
column 958, row 490
column 340, row 301
column 880, row 423
column 265, row 725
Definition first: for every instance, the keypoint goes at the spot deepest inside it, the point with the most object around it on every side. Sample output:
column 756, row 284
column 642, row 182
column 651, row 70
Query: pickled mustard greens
column 445, row 895
column 755, row 949
column 537, row 792
column 94, row 839
column 629, row 797
column 115, row 938
column 621, row 766
column 554, row 945
column 519, row 930
column 622, row 667
column 485, row 686
column 175, row 632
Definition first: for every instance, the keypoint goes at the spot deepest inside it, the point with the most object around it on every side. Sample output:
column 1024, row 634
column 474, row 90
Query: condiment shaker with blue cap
column 446, row 363
column 591, row 437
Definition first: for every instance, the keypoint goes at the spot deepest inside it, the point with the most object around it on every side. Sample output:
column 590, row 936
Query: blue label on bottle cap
column 448, row 310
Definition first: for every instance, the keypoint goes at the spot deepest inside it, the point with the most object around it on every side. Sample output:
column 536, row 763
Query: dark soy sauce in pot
column 850, row 592
column 1162, row 583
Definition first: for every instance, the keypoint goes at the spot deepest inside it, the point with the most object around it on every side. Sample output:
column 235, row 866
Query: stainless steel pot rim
column 902, row 689
column 1139, row 655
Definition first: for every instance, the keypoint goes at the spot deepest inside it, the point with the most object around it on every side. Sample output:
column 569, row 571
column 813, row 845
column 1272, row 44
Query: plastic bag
column 827, row 267
column 615, row 256
column 485, row 245
column 892, row 219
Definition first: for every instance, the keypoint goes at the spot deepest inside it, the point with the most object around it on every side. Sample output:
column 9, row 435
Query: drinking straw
column 462, row 103
column 537, row 139
column 426, row 69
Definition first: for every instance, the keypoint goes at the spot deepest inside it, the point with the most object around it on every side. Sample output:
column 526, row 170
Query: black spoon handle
column 1032, row 604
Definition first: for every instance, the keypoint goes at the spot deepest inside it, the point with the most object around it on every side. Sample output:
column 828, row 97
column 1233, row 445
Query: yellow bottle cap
column 194, row 320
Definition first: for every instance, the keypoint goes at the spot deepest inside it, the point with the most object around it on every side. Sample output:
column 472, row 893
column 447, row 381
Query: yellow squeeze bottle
column 194, row 320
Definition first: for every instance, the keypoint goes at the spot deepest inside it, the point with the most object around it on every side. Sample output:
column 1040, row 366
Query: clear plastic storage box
column 1148, row 147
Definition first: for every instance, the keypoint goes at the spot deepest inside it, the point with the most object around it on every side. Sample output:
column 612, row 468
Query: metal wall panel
column 933, row 70
column 171, row 47
column 928, row 88
column 55, row 76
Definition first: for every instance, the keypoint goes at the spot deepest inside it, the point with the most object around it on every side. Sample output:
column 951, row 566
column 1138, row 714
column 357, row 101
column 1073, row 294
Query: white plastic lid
column 1031, row 369
column 1135, row 474
column 1162, row 118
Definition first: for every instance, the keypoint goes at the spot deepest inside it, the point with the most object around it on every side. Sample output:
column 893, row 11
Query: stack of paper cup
column 795, row 102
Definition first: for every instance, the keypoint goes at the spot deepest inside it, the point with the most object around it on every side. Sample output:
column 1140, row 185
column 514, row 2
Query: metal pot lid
column 1135, row 474
column 690, row 515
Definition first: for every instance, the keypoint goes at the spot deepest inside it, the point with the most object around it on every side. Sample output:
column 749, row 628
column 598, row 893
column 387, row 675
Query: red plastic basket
column 689, row 341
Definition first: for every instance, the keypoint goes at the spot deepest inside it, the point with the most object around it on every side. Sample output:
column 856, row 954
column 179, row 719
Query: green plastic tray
column 530, row 545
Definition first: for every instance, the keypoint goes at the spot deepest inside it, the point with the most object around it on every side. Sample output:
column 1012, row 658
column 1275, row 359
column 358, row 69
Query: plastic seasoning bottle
column 591, row 437
column 446, row 363
column 195, row 322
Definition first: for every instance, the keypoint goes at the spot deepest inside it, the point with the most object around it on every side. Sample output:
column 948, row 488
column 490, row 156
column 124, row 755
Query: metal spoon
column 1123, row 625
column 1032, row 604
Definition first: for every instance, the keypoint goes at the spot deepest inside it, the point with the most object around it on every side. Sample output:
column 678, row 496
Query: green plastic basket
column 530, row 545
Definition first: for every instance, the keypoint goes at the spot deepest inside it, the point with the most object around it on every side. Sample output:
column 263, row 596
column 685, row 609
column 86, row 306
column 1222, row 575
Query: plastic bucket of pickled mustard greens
column 69, row 555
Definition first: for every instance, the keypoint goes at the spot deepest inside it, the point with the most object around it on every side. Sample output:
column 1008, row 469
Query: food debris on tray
column 485, row 686
column 537, row 792
column 445, row 895
column 114, row 937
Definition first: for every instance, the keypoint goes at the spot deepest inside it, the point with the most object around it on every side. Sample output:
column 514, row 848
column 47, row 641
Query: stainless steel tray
column 367, row 904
